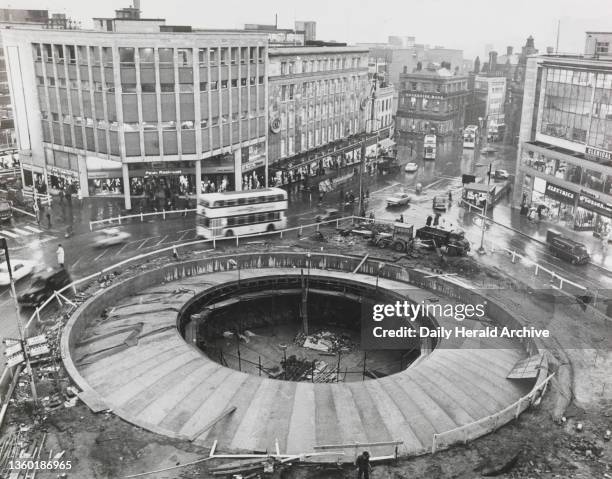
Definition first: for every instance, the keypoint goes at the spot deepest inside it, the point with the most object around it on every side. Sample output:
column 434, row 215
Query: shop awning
column 386, row 143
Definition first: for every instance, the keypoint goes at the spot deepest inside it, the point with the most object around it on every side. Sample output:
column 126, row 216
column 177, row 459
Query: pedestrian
column 605, row 236
column 49, row 218
column 36, row 211
column 436, row 220
column 450, row 196
column 363, row 465
column 401, row 218
column 175, row 253
column 428, row 221
column 61, row 196
column 367, row 193
column 60, row 255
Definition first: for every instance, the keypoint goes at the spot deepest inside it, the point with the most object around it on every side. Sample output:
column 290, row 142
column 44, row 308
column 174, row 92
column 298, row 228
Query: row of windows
column 127, row 55
column 320, row 65
column 426, row 104
column 247, row 200
column 434, row 87
column 147, row 87
column 310, row 89
column 317, row 111
column 244, row 220
column 317, row 137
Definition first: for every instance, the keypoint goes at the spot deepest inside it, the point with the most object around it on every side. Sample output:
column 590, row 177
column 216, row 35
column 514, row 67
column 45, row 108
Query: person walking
column 36, row 211
column 49, row 217
column 428, row 221
column 401, row 218
column 436, row 220
column 60, row 255
column 605, row 236
column 363, row 465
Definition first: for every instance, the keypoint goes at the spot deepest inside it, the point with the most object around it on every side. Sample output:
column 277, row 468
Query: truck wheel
column 399, row 246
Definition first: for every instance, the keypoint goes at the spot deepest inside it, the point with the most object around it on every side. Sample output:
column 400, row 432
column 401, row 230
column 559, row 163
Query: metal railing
column 141, row 216
column 462, row 434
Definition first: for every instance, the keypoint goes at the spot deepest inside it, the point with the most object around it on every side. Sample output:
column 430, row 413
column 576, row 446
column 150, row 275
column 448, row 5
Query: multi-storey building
column 318, row 98
column 565, row 153
column 432, row 98
column 138, row 113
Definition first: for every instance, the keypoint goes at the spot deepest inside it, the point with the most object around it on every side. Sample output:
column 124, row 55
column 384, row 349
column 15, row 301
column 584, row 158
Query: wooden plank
column 225, row 412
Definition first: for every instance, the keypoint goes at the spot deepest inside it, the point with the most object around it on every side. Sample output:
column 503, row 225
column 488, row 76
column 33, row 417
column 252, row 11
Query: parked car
column 6, row 212
column 439, row 203
column 567, row 249
column 328, row 215
column 21, row 268
column 110, row 237
column 43, row 286
column 411, row 167
column 501, row 175
column 401, row 199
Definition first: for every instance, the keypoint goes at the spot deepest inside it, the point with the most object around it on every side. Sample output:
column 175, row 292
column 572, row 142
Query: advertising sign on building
column 558, row 193
column 595, row 205
column 598, row 154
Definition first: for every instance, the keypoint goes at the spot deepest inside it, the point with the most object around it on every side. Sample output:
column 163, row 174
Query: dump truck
column 453, row 242
column 401, row 239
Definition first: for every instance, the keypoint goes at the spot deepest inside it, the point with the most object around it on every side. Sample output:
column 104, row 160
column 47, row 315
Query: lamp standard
column 283, row 346
column 379, row 269
column 481, row 250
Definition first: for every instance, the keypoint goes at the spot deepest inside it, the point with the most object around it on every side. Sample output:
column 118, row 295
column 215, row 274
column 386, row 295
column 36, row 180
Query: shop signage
column 429, row 96
column 275, row 125
column 54, row 170
column 598, row 154
column 251, row 165
column 559, row 194
column 592, row 204
column 162, row 172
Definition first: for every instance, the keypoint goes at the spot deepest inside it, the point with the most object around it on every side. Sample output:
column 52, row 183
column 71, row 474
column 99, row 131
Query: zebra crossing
column 21, row 232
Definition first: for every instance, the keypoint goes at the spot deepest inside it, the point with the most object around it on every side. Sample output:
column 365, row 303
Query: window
column 166, row 55
column 262, row 51
column 184, row 57
column 51, row 81
column 126, row 56
column 253, row 80
column 168, row 125
column 291, row 68
column 146, row 55
column 54, row 117
column 204, row 123
column 44, row 115
column 283, row 68
column 203, row 85
column 602, row 47
column 234, row 55
column 223, row 56
column 187, row 125
column 234, row 82
column 186, row 87
column 128, row 87
column 243, row 82
column 37, row 52
column 213, row 85
column 213, row 55
column 283, row 92
column 244, row 52
column 202, row 57
column 85, row 85
column 223, row 84
column 40, row 80
column 252, row 54
column 291, row 91
column 261, row 80
column 166, row 87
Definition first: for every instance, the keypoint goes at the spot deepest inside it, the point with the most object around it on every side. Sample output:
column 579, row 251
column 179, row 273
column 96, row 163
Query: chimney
column 405, row 69
column 509, row 50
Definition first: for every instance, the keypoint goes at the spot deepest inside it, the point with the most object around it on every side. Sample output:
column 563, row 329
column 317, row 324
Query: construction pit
column 556, row 437
column 148, row 349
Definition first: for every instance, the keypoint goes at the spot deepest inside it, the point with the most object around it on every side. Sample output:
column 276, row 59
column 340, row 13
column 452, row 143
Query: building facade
column 318, row 97
column 138, row 113
column 565, row 154
column 433, row 98
column 492, row 91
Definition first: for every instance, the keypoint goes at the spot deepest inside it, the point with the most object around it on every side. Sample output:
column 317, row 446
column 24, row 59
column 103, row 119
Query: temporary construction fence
column 117, row 220
column 321, row 261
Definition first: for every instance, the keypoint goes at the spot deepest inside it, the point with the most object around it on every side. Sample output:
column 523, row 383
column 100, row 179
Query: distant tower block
column 309, row 29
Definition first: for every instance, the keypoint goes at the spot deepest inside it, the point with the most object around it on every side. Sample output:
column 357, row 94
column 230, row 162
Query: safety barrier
column 322, row 261
column 140, row 216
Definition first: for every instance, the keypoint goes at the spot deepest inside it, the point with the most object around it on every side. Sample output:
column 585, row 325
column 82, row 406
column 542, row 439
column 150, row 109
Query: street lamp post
column 482, row 250
column 380, row 267
column 4, row 245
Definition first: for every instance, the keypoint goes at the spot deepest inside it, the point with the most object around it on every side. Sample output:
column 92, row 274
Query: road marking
column 22, row 232
column 9, row 234
column 145, row 240
column 122, row 248
column 183, row 235
column 31, row 228
column 76, row 262
column 100, row 255
column 161, row 240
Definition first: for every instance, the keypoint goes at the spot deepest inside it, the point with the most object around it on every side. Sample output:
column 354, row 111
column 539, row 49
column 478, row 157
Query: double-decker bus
column 236, row 213
column 470, row 136
column 429, row 147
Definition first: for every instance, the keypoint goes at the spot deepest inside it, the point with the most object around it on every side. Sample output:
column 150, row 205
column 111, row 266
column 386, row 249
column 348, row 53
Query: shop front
column 592, row 214
column 62, row 172
column 162, row 183
column 253, row 166
column 104, row 177
column 553, row 202
column 218, row 173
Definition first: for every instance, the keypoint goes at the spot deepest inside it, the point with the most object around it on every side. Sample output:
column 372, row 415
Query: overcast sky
column 466, row 24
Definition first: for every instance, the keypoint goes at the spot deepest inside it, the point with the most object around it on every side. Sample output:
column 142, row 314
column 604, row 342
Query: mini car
column 329, row 215
column 411, row 167
column 439, row 203
column 400, row 199
column 21, row 268
column 110, row 237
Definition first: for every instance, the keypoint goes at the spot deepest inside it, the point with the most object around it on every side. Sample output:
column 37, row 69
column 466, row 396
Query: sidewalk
column 510, row 218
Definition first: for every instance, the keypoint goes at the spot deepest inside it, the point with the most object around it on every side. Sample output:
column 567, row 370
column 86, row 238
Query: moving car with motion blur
column 400, row 199
column 411, row 167
column 20, row 269
column 111, row 237
column 43, row 286
column 328, row 215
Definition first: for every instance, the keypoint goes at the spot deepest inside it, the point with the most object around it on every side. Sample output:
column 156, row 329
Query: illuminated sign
column 599, row 154
column 595, row 205
column 558, row 193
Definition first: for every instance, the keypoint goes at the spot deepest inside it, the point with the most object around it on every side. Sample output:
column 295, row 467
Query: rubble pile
column 326, row 342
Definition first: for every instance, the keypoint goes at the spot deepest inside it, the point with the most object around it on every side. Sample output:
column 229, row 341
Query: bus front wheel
column 270, row 227
column 229, row 233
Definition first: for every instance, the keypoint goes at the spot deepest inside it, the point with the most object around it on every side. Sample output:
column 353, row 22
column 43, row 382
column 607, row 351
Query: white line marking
column 9, row 234
column 161, row 240
column 183, row 235
column 35, row 230
column 142, row 244
column 76, row 262
column 122, row 248
column 22, row 232
column 100, row 255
